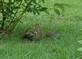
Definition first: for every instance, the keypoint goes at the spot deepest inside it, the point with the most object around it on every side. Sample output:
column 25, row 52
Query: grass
column 63, row 46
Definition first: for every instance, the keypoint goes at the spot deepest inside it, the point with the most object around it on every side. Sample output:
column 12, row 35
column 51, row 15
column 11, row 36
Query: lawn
column 63, row 46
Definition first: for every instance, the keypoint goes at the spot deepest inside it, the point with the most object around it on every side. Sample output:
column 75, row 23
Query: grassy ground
column 63, row 46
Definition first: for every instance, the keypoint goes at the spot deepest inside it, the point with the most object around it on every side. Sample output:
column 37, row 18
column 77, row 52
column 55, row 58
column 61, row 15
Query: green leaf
column 57, row 11
column 60, row 6
column 43, row 9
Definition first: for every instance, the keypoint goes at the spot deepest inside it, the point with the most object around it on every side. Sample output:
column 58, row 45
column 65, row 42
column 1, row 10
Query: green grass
column 63, row 46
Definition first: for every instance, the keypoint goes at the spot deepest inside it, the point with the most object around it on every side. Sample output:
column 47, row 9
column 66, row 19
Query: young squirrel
column 36, row 33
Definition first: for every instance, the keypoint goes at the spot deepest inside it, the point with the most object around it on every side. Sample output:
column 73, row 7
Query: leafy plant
column 59, row 8
column 13, row 10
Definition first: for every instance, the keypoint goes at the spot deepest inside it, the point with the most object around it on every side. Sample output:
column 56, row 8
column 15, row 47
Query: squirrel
column 36, row 33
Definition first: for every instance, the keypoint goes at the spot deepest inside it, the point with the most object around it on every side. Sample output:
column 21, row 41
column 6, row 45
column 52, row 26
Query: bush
column 13, row 10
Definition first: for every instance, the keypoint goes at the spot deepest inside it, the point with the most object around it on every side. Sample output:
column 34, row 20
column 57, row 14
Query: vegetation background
column 63, row 46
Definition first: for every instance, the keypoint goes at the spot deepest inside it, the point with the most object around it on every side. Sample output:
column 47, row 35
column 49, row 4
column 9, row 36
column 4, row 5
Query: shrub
column 13, row 10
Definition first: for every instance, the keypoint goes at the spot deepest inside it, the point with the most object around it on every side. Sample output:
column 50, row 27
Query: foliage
column 13, row 10
column 59, row 8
